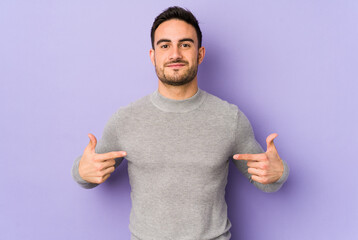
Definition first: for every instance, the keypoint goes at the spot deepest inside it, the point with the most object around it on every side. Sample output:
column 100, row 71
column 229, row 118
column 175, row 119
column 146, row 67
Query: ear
column 201, row 54
column 152, row 56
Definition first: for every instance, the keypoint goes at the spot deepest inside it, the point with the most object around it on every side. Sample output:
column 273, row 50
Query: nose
column 175, row 53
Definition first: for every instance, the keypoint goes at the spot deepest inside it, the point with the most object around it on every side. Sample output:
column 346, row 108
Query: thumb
column 93, row 142
column 269, row 141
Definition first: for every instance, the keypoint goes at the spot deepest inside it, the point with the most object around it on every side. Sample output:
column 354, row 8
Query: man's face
column 176, row 55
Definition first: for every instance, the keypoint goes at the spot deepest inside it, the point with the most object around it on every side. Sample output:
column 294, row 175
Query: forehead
column 174, row 30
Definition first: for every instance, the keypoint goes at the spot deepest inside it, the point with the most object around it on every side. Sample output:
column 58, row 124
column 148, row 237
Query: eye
column 164, row 46
column 185, row 45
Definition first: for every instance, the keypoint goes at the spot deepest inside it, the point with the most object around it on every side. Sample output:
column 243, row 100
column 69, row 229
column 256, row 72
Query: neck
column 178, row 92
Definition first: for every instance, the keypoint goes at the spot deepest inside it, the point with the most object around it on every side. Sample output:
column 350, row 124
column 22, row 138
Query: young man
column 178, row 142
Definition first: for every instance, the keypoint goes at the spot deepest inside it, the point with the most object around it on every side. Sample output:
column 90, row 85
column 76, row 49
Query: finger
column 93, row 142
column 258, row 179
column 250, row 157
column 101, row 179
column 259, row 165
column 255, row 171
column 106, row 177
column 108, row 170
column 269, row 141
column 110, row 155
column 108, row 164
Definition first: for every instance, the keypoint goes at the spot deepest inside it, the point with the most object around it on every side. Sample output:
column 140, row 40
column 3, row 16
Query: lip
column 176, row 65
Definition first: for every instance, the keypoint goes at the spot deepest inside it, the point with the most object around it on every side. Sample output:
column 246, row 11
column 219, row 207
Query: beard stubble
column 175, row 78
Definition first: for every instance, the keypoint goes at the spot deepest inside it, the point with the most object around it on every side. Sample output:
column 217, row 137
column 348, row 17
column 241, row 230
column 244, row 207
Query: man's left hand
column 264, row 167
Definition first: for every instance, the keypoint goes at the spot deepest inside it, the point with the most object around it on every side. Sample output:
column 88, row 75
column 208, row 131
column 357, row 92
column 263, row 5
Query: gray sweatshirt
column 178, row 153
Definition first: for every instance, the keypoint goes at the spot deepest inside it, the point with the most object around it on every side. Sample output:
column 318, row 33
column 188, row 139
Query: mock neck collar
column 171, row 105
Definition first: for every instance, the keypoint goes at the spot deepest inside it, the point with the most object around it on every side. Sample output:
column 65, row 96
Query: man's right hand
column 96, row 168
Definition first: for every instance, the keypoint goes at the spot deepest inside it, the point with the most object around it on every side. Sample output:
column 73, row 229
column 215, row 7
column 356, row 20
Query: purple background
column 66, row 66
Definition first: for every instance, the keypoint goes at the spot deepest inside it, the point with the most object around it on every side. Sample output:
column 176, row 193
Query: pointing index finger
column 110, row 155
column 250, row 157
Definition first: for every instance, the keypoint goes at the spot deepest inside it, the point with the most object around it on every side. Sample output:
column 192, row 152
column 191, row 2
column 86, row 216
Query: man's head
column 176, row 13
column 176, row 51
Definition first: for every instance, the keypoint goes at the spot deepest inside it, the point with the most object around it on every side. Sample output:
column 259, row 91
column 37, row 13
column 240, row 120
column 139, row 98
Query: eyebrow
column 186, row 40
column 163, row 40
column 181, row 40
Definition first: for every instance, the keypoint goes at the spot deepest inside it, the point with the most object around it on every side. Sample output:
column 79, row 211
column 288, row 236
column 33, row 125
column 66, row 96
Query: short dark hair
column 176, row 13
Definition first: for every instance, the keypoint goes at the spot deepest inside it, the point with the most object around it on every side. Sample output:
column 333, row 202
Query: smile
column 176, row 64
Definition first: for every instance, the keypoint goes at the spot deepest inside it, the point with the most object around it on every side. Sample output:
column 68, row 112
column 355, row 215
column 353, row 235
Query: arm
column 266, row 170
column 98, row 161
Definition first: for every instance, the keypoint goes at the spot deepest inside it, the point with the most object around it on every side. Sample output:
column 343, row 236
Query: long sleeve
column 108, row 143
column 245, row 142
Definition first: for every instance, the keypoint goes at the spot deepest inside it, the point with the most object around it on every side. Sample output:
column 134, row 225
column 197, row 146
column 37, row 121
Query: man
column 178, row 142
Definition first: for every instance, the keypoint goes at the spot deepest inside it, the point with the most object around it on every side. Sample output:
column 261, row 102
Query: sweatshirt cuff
column 285, row 174
column 76, row 176
column 275, row 186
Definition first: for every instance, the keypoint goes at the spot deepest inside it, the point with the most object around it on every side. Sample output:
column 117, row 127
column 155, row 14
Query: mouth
column 175, row 65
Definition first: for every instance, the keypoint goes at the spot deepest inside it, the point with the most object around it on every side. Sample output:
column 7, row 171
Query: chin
column 176, row 82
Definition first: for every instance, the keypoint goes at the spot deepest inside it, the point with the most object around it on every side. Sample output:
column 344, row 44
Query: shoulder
column 140, row 105
column 220, row 106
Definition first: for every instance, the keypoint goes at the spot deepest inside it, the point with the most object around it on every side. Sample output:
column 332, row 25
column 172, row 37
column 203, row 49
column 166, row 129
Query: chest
column 177, row 140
